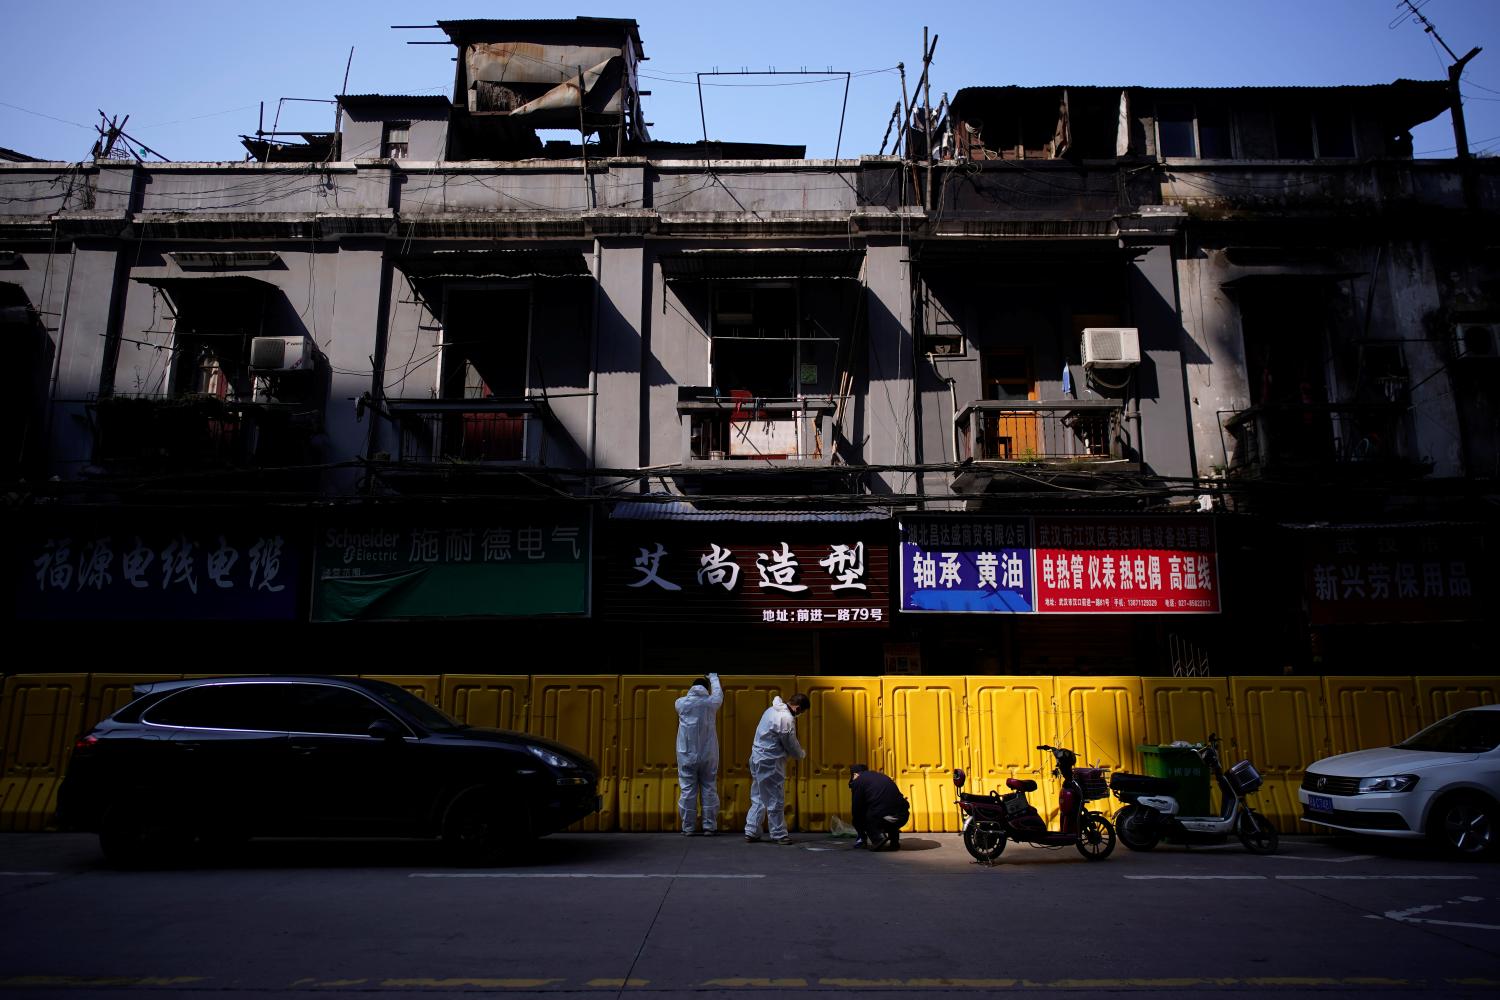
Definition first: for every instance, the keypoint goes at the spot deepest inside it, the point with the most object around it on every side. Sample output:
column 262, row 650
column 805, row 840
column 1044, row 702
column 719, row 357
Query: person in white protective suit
column 698, row 754
column 775, row 741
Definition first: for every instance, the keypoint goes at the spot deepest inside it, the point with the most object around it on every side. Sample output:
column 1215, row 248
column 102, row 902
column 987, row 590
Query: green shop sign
column 510, row 564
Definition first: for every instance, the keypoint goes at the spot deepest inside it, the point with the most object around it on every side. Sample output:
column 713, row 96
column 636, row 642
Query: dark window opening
column 1294, row 135
column 1174, row 125
column 486, row 340
column 396, row 140
column 1335, row 135
column 760, row 345
column 1215, row 134
column 211, row 338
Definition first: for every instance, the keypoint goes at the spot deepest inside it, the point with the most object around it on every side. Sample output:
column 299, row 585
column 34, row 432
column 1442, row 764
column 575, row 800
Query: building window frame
column 395, row 140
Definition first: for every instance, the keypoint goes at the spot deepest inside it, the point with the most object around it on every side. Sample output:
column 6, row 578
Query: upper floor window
column 396, row 140
column 1194, row 131
column 760, row 345
column 1321, row 134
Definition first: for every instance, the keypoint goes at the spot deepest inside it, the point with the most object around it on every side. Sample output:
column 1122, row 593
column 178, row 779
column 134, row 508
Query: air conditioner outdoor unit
column 282, row 354
column 1111, row 347
column 1476, row 340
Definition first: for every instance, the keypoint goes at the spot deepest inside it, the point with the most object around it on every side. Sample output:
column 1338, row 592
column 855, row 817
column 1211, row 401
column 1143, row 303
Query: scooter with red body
column 991, row 821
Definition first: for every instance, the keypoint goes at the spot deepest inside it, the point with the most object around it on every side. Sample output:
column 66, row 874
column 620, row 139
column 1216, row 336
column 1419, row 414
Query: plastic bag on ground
column 838, row 828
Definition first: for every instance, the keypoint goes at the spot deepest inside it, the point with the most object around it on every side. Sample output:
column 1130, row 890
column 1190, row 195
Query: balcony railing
column 758, row 430
column 1309, row 437
column 186, row 433
column 486, row 431
column 1069, row 431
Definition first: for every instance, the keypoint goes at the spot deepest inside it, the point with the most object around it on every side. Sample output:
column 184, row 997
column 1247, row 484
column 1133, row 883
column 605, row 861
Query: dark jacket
column 873, row 796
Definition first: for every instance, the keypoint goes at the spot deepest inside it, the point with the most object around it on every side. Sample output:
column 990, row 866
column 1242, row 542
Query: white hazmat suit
column 698, row 754
column 775, row 741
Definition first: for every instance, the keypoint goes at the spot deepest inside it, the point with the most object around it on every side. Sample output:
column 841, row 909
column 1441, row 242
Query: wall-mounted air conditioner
column 282, row 354
column 1476, row 340
column 1111, row 347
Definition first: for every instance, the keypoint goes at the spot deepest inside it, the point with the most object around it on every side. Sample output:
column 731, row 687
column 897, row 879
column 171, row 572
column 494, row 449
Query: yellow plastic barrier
column 428, row 687
column 583, row 712
column 925, row 737
column 1438, row 697
column 648, row 751
column 916, row 729
column 1280, row 723
column 488, row 700
column 42, row 716
column 1008, row 718
column 841, row 728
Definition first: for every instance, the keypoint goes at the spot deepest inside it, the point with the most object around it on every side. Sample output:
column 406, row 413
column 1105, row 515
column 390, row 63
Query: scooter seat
column 1141, row 784
column 1021, row 784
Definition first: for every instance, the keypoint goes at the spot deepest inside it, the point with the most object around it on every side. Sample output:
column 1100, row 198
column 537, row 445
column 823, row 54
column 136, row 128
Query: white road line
column 1197, row 878
column 1331, row 861
column 26, row 874
column 1376, row 878
column 572, row 875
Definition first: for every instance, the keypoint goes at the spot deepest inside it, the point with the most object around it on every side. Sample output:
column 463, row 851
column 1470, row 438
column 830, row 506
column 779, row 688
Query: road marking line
column 573, row 875
column 519, row 984
column 1452, row 923
column 1376, row 878
column 618, row 984
column 1197, row 878
column 15, row 981
column 26, row 874
column 1331, row 861
column 759, row 983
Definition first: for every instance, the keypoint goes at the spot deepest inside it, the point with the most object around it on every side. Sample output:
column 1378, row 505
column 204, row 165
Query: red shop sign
column 1127, row 565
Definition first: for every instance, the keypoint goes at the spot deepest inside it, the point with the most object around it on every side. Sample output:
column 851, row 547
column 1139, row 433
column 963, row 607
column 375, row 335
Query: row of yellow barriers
column 916, row 729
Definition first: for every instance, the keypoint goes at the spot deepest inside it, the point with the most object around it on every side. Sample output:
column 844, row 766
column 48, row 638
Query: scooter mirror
column 959, row 777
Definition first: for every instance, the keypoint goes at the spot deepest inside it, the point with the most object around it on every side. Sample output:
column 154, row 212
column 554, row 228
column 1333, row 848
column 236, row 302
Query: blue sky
column 191, row 76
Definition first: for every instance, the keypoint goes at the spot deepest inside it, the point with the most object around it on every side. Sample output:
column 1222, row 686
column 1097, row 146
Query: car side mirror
column 959, row 777
column 384, row 729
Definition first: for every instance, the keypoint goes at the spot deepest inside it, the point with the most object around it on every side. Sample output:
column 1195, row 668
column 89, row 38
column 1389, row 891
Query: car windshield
column 429, row 717
column 1465, row 732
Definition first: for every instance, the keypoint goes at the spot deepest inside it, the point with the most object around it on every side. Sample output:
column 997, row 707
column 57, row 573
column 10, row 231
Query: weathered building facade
column 1122, row 380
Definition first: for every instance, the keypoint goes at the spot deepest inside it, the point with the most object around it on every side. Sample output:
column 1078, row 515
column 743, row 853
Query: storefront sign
column 1063, row 565
column 970, row 565
column 776, row 575
column 1394, row 574
column 158, row 574
column 520, row 563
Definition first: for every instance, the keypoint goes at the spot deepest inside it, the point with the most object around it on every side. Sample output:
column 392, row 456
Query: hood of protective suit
column 776, row 736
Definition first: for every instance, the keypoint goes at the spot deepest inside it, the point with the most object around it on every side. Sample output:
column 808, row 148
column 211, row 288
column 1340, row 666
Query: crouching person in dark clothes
column 880, row 810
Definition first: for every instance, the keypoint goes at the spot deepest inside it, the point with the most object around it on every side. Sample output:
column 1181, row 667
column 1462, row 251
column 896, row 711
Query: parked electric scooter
column 992, row 820
column 1151, row 811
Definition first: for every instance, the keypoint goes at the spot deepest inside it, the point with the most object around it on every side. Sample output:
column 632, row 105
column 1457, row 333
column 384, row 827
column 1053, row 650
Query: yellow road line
column 759, row 983
column 443, row 984
column 617, row 984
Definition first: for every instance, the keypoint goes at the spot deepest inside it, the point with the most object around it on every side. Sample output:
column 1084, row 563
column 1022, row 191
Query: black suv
column 228, row 758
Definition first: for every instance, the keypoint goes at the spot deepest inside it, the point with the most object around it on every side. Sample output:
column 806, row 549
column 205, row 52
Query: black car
column 229, row 758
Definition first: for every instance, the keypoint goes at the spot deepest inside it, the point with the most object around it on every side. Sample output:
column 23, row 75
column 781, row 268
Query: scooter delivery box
column 1244, row 778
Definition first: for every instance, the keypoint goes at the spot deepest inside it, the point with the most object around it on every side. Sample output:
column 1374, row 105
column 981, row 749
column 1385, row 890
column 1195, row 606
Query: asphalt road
column 665, row 915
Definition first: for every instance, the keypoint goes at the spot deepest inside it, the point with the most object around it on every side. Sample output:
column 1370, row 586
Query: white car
column 1443, row 783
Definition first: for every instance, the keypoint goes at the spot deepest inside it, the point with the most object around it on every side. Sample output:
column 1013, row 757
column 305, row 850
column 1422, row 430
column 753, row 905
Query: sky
column 192, row 76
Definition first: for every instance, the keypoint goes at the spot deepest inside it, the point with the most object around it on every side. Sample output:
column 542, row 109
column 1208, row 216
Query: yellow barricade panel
column 43, row 716
column 582, row 712
column 27, row 805
column 649, row 787
column 1184, row 708
column 108, row 693
column 841, row 728
column 923, row 722
column 1280, row 725
column 1439, row 697
column 428, row 687
column 1008, row 717
column 746, row 698
column 1369, row 712
column 486, row 700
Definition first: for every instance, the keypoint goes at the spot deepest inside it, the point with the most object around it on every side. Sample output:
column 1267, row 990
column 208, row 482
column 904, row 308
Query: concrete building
column 437, row 369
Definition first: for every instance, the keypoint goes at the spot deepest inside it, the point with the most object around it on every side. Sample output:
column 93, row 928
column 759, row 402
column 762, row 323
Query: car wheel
column 1464, row 826
column 477, row 831
column 128, row 840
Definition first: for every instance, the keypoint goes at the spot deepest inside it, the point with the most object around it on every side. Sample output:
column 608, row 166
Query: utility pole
column 927, row 112
column 1455, row 99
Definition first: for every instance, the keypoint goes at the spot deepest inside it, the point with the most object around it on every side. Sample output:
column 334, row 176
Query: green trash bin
column 1183, row 765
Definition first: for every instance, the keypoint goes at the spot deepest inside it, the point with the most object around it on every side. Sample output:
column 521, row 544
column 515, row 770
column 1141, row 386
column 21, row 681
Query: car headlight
column 554, row 759
column 1388, row 783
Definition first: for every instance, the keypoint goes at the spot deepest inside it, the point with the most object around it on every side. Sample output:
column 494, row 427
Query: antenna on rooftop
column 110, row 146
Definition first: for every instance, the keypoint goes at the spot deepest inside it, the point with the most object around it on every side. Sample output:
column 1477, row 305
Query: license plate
column 1320, row 803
